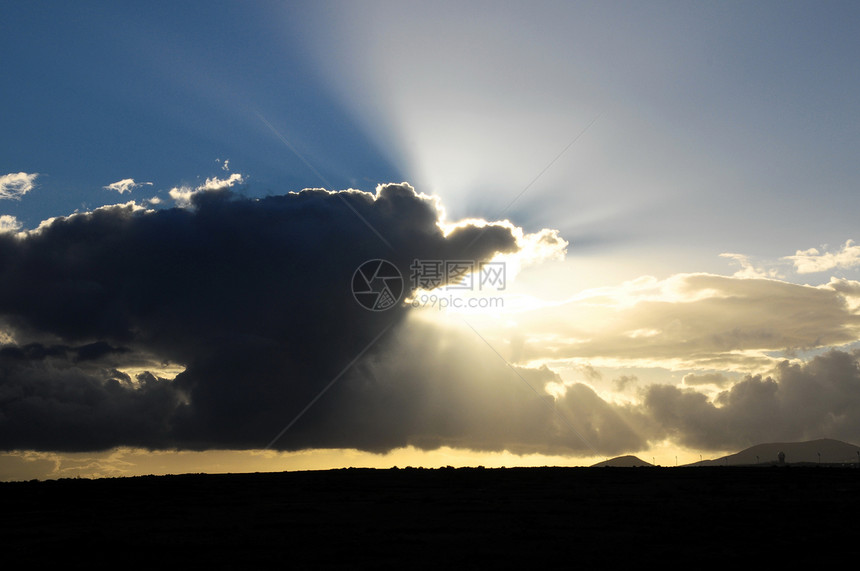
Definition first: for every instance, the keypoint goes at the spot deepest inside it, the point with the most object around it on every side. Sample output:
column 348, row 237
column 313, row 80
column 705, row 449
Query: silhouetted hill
column 506, row 518
column 831, row 452
column 622, row 462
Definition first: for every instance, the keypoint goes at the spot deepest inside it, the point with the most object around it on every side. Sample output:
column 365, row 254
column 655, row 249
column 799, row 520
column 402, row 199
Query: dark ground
column 446, row 518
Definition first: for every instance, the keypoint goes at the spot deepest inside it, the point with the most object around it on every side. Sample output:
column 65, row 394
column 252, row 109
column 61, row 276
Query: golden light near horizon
column 129, row 462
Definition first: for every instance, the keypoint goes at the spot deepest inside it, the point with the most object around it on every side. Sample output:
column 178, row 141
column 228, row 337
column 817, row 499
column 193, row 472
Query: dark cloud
column 438, row 385
column 251, row 300
column 621, row 383
column 251, row 296
column 716, row 379
column 816, row 399
column 47, row 400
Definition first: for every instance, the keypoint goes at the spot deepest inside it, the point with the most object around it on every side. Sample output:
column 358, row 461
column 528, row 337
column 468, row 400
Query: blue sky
column 699, row 159
column 716, row 126
column 157, row 93
column 714, row 120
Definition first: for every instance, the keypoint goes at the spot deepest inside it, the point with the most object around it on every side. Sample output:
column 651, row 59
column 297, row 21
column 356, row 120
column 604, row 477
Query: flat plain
column 431, row 518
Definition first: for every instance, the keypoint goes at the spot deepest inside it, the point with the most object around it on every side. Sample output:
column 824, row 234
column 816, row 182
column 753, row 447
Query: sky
column 258, row 236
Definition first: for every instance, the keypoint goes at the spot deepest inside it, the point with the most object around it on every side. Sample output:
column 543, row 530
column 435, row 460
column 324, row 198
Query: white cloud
column 9, row 223
column 216, row 183
column 748, row 268
column 812, row 260
column 693, row 321
column 130, row 207
column 125, row 185
column 184, row 194
column 16, row 185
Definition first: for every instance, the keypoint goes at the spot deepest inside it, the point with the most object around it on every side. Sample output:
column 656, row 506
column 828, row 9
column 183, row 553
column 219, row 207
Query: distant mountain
column 831, row 452
column 622, row 462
